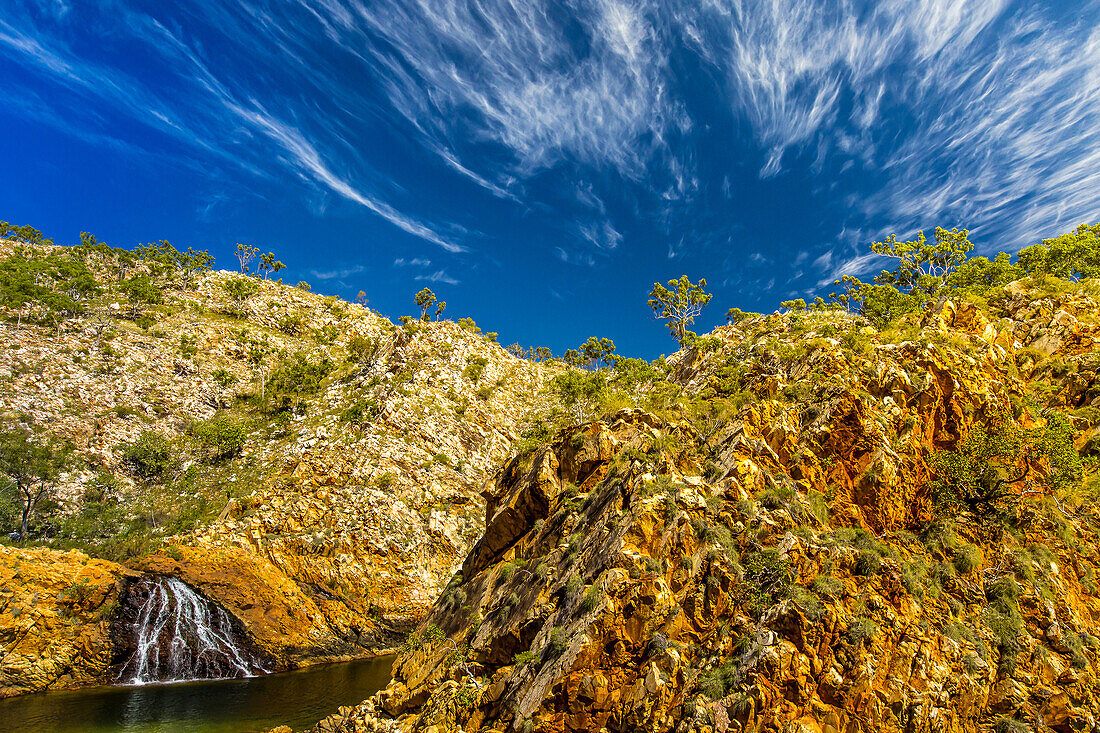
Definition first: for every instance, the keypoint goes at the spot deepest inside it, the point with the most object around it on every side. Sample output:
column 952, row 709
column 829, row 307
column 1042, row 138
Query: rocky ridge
column 767, row 554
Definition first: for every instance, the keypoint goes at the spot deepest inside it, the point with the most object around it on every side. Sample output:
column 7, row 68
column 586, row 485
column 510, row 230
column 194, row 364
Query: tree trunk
column 25, row 524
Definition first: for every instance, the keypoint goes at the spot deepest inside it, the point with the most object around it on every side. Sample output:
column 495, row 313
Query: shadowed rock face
column 165, row 631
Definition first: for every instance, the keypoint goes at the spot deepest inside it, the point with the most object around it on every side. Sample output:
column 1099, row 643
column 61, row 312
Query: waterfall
column 178, row 634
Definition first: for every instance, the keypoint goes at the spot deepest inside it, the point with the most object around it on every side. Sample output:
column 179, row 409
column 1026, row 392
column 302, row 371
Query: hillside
column 768, row 553
column 326, row 526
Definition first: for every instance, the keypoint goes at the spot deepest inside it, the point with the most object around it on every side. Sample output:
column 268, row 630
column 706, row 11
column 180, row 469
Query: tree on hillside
column 141, row 290
column 578, row 390
column 880, row 304
column 998, row 461
column 1072, row 255
column 425, row 299
column 598, row 351
column 57, row 286
column 91, row 249
column 245, row 254
column 679, row 304
column 239, row 290
column 923, row 269
column 194, row 260
column 31, row 463
column 922, row 264
column 980, row 274
column 24, row 234
column 296, row 378
column 269, row 265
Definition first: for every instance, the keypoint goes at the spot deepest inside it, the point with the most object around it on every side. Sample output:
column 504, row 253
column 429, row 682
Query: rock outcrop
column 767, row 556
column 55, row 618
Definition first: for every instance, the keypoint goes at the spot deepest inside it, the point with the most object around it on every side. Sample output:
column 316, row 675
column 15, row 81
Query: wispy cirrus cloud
column 599, row 115
column 337, row 274
column 199, row 111
column 439, row 276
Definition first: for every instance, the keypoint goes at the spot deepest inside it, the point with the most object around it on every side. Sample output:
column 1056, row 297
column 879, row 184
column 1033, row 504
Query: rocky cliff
column 768, row 552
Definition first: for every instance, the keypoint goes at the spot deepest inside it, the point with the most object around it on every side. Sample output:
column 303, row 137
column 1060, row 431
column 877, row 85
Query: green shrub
column 767, row 579
column 524, row 658
column 475, row 368
column 966, row 558
column 239, row 290
column 222, row 436
column 592, row 598
column 868, row 563
column 188, row 349
column 223, row 378
column 361, row 411
column 151, row 455
column 860, row 630
column 297, row 378
column 558, row 642
column 827, row 586
column 719, row 681
column 1005, row 724
column 290, row 324
column 573, row 584
column 808, row 602
column 538, row 433
column 361, row 348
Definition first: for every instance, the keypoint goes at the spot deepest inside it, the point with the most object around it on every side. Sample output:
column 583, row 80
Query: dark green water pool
column 298, row 699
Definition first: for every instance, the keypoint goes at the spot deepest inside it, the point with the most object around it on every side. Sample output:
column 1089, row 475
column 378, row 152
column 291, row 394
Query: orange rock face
column 781, row 564
column 55, row 614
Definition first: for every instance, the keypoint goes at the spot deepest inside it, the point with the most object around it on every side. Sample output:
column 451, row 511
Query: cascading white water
column 179, row 635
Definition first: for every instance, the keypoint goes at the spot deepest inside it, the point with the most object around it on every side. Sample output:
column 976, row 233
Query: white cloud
column 306, row 159
column 195, row 116
column 956, row 110
column 858, row 265
column 337, row 274
column 439, row 276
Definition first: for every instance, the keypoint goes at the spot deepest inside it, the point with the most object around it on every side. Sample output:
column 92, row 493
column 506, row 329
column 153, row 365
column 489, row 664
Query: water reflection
column 298, row 699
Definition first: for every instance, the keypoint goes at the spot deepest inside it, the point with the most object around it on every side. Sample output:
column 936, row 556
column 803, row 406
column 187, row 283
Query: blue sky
column 540, row 164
